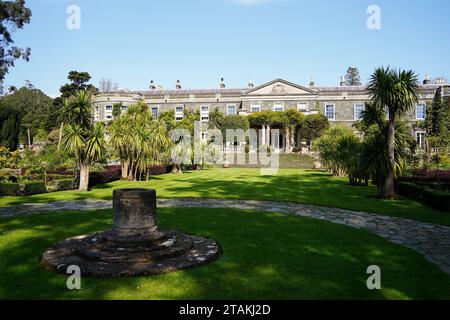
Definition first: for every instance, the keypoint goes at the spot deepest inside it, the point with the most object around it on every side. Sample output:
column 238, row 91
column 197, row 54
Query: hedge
column 50, row 177
column 110, row 174
column 29, row 188
column 61, row 185
column 434, row 198
column 9, row 189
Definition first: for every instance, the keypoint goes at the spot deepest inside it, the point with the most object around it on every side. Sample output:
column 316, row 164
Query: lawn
column 305, row 186
column 266, row 256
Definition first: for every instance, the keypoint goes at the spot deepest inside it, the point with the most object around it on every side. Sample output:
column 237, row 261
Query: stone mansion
column 342, row 104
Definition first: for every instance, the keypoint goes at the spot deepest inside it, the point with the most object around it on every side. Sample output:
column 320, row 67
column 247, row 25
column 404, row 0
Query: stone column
column 268, row 135
column 287, row 138
column 263, row 135
column 134, row 215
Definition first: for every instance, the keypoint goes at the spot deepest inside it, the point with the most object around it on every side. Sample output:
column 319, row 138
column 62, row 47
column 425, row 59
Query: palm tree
column 82, row 138
column 398, row 91
column 138, row 140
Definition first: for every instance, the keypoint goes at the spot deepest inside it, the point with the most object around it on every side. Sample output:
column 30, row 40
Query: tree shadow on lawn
column 308, row 188
column 266, row 256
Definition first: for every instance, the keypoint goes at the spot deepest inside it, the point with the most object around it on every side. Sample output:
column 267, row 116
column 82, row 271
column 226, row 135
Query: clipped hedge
column 9, row 189
column 110, row 174
column 50, row 177
column 434, row 198
column 62, row 185
column 29, row 188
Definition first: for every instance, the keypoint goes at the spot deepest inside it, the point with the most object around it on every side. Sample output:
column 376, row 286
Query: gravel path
column 431, row 240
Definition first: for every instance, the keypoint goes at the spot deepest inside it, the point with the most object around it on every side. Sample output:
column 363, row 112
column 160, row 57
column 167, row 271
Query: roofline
column 280, row 80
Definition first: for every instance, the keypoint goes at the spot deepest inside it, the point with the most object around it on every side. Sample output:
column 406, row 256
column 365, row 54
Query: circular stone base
column 98, row 256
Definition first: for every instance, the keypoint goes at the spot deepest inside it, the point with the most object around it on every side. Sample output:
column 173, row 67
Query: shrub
column 110, row 174
column 50, row 177
column 29, row 188
column 437, row 176
column 9, row 189
column 62, row 185
column 434, row 198
column 159, row 170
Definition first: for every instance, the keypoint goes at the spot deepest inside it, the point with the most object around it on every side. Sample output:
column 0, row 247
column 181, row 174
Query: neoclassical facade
column 342, row 105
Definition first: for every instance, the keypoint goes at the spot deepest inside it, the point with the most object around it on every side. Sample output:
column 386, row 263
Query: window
column 108, row 108
column 421, row 111
column 358, row 110
column 420, row 137
column 109, row 117
column 278, row 107
column 329, row 111
column 255, row 108
column 204, row 114
column 155, row 112
column 179, row 113
column 204, row 136
column 124, row 107
column 302, row 107
column 231, row 110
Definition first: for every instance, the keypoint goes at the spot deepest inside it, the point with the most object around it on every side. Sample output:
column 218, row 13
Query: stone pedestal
column 134, row 216
column 134, row 246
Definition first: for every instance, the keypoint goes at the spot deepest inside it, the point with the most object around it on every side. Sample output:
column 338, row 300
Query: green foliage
column 36, row 110
column 398, row 91
column 314, row 126
column 437, row 122
column 9, row 189
column 340, row 150
column 117, row 110
column 273, row 118
column 61, row 185
column 375, row 156
column 188, row 120
column 8, row 159
column 352, row 78
column 9, row 126
column 14, row 15
column 138, row 140
column 29, row 188
column 78, row 82
column 435, row 198
column 217, row 120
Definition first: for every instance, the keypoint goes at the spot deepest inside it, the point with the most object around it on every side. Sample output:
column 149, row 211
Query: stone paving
column 431, row 240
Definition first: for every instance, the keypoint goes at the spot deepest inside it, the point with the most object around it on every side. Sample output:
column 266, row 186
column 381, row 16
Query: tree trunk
column 124, row 165
column 388, row 184
column 84, row 177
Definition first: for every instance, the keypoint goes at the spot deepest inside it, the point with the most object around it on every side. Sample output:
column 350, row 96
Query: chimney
column 222, row 83
column 440, row 80
column 427, row 80
column 250, row 84
column 312, row 83
column 178, row 85
column 152, row 85
column 343, row 82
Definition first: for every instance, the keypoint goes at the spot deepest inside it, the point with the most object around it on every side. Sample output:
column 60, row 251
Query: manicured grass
column 266, row 256
column 305, row 186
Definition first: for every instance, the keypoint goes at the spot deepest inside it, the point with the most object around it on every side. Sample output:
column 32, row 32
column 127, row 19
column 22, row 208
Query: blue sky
column 200, row 41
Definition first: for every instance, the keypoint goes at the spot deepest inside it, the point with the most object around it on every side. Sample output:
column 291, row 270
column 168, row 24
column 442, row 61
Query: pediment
column 280, row 87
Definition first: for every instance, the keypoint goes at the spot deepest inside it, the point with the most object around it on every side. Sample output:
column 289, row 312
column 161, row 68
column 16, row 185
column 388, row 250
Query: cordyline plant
column 398, row 91
column 82, row 138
